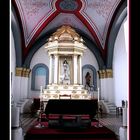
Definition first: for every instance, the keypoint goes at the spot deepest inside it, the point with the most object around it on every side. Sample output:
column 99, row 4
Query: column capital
column 19, row 71
column 27, row 73
column 109, row 73
column 106, row 73
column 22, row 72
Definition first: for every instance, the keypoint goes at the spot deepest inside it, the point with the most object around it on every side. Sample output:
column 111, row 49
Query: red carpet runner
column 92, row 133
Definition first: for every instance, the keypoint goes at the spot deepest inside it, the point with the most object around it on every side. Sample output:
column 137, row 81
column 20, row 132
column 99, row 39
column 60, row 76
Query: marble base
column 17, row 134
column 55, row 91
column 123, row 133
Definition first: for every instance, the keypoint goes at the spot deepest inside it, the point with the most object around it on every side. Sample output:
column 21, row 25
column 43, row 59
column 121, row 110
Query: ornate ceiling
column 93, row 17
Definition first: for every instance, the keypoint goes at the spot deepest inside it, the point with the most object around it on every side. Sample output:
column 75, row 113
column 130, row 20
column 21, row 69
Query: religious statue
column 88, row 78
column 66, row 74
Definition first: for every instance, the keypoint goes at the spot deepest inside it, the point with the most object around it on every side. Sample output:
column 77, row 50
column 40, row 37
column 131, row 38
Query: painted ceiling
column 93, row 17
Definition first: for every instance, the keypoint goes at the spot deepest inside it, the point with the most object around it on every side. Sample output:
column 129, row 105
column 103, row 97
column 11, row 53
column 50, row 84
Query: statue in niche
column 66, row 74
column 88, row 79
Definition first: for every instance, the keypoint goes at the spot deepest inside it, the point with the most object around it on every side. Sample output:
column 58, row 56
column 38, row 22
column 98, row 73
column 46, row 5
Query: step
column 111, row 107
column 21, row 104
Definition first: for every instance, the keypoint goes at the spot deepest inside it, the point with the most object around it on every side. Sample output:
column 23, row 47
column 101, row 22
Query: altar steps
column 111, row 107
column 24, row 105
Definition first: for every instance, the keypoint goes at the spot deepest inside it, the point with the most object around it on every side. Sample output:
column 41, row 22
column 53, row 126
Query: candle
column 98, row 94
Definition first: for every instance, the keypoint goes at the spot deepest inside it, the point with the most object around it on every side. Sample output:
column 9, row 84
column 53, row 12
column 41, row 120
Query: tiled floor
column 112, row 122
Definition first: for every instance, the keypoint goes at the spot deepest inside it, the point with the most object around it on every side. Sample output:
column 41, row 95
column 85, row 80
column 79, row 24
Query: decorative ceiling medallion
column 68, row 5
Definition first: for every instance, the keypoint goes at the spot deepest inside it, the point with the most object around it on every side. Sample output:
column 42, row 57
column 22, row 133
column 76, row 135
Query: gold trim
column 83, row 91
column 65, row 30
column 74, row 91
column 102, row 74
column 55, row 96
column 19, row 72
column 76, row 96
column 22, row 72
column 75, row 87
column 65, row 87
column 57, row 91
column 108, row 73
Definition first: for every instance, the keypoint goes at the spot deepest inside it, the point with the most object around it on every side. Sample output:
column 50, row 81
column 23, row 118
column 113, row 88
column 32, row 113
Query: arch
column 34, row 70
column 94, row 74
column 43, row 39
column 17, row 38
column 121, row 15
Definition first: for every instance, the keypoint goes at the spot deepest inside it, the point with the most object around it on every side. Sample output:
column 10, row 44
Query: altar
column 65, row 49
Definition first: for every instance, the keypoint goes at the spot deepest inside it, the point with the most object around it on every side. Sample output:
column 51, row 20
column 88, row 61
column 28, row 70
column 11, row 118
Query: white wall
column 41, row 56
column 12, row 65
column 120, row 69
column 89, row 58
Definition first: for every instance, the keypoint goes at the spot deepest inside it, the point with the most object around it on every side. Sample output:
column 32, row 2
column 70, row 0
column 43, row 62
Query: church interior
column 69, row 66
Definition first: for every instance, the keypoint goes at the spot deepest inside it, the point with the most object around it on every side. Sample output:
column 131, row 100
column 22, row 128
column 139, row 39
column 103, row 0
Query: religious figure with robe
column 66, row 74
column 88, row 79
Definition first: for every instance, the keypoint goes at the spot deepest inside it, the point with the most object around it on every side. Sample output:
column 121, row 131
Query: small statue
column 66, row 73
column 66, row 70
column 88, row 79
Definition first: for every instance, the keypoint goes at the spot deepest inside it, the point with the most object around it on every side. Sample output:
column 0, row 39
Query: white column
column 75, row 68
column 124, row 117
column 80, row 70
column 123, row 133
column 109, row 89
column 24, row 87
column 17, row 88
column 50, row 71
column 56, row 69
column 103, row 89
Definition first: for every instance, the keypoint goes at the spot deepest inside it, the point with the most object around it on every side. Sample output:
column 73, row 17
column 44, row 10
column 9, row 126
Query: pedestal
column 15, row 116
column 123, row 133
column 124, row 117
column 17, row 133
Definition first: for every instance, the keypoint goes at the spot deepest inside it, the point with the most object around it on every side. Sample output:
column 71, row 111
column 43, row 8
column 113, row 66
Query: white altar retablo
column 65, row 65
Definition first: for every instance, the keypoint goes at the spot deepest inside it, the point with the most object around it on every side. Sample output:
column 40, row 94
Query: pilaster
column 75, row 68
column 56, row 69
column 106, row 83
column 21, row 83
column 50, row 70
